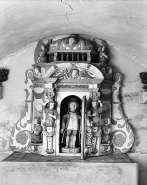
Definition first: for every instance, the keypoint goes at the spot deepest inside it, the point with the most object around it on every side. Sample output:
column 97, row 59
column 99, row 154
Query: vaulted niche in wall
column 72, row 102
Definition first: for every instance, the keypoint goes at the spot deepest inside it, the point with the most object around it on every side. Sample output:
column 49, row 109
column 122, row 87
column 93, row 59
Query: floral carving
column 119, row 140
column 22, row 138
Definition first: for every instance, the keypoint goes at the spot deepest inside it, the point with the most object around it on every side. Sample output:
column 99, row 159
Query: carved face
column 71, row 41
column 36, row 71
column 106, row 129
column 73, row 106
column 75, row 72
column 30, row 75
column 52, row 104
column 94, row 104
column 110, row 71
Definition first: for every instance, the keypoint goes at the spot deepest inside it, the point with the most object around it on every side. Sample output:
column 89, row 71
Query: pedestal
column 70, row 150
column 51, row 170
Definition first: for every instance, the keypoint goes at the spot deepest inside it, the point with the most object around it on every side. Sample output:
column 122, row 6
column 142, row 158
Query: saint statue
column 49, row 125
column 36, row 136
column 94, row 122
column 71, row 124
column 106, row 131
column 94, row 112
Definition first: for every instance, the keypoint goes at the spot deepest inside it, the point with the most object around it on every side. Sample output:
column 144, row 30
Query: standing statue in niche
column 49, row 125
column 106, row 144
column 71, row 124
column 106, row 131
column 94, row 122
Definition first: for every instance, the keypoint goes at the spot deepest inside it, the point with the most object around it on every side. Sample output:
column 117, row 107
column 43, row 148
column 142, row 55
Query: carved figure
column 59, row 73
column 36, row 136
column 37, row 73
column 43, row 73
column 41, row 51
column 94, row 113
column 49, row 125
column 106, row 132
column 74, row 73
column 107, row 72
column 102, row 50
column 103, row 56
column 71, row 123
column 71, row 44
column 94, row 121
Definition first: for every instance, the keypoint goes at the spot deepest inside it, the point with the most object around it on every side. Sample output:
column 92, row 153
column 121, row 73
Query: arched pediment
column 74, row 71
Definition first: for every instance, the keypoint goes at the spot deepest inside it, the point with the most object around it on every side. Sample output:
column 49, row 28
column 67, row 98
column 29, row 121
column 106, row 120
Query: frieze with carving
column 70, row 71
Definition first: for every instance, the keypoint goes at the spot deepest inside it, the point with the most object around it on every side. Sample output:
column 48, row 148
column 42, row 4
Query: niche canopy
column 72, row 102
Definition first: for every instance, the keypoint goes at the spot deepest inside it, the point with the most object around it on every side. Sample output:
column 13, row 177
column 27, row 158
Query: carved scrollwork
column 41, row 51
column 103, row 51
column 107, row 72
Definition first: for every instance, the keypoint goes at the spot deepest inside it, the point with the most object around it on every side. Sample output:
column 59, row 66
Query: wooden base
column 49, row 151
column 70, row 150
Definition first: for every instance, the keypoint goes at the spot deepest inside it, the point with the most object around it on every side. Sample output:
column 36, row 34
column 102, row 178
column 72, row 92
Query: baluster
column 61, row 56
column 82, row 56
column 77, row 56
column 49, row 58
column 55, row 56
column 72, row 56
column 88, row 56
column 67, row 57
column 52, row 57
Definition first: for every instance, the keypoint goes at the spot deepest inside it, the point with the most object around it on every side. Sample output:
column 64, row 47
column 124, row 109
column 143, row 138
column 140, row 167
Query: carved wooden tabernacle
column 72, row 102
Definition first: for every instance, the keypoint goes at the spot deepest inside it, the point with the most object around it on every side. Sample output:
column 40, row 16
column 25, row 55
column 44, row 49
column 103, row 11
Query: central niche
column 70, row 123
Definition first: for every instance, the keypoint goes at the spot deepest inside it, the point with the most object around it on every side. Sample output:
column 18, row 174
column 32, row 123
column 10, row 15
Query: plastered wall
column 14, row 95
column 13, row 103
